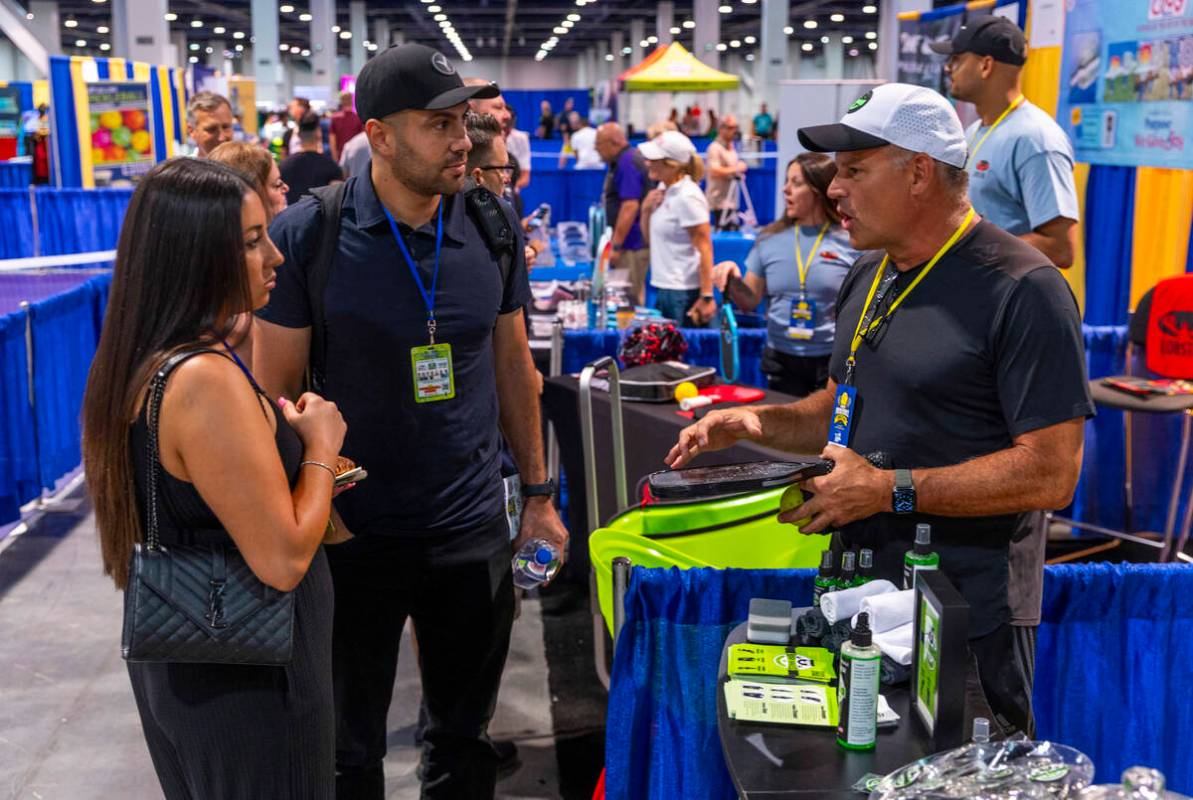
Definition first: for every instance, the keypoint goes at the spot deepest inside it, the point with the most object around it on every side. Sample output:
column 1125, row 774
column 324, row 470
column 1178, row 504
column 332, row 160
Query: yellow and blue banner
column 156, row 93
column 917, row 29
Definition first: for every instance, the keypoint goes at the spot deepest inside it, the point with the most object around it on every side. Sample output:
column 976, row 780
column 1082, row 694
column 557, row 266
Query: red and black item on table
column 652, row 343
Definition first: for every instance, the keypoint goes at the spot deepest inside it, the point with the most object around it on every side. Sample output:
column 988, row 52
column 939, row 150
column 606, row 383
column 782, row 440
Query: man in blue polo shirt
column 1020, row 161
column 426, row 355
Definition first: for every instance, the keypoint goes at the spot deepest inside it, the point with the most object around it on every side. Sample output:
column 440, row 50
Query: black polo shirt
column 433, row 467
column 987, row 347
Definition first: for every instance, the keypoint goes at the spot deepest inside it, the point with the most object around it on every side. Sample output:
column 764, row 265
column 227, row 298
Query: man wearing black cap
column 958, row 352
column 1020, row 161
column 424, row 350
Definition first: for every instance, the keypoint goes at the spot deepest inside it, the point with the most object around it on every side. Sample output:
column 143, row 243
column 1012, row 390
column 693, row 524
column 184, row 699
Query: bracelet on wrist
column 330, row 470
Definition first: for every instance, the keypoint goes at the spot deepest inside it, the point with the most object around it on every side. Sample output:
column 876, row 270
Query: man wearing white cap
column 958, row 352
column 675, row 224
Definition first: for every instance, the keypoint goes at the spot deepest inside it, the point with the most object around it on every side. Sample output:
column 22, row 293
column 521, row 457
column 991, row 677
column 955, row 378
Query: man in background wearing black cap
column 946, row 335
column 425, row 353
column 1021, row 179
column 1020, row 161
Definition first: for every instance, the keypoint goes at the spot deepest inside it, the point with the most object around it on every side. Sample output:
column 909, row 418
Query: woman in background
column 798, row 264
column 256, row 162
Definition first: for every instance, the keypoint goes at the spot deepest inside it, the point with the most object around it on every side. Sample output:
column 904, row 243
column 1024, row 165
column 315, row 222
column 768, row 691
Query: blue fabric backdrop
column 525, row 103
column 15, row 175
column 65, row 332
column 80, row 220
column 1109, row 211
column 18, row 452
column 1112, row 676
column 17, row 216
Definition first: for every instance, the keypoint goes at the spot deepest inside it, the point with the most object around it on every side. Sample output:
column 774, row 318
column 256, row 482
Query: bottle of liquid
column 848, row 570
column 865, row 566
column 857, row 688
column 920, row 556
column 535, row 564
column 825, row 578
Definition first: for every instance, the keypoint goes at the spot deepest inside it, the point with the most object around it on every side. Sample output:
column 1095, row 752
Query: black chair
column 1129, row 404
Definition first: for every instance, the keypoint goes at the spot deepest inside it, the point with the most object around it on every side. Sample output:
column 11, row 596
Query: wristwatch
column 903, row 496
column 709, row 296
column 546, row 489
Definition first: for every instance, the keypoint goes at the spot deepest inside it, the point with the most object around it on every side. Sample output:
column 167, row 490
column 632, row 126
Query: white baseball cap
column 912, row 117
column 668, row 144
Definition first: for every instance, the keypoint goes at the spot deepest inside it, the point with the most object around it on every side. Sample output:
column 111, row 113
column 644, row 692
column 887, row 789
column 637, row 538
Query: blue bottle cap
column 544, row 555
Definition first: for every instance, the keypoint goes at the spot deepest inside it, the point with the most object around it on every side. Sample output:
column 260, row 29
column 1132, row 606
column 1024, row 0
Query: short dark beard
column 419, row 176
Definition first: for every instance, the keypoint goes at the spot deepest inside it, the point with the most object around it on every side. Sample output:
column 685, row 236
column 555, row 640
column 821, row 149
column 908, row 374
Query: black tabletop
column 651, row 429
column 788, row 761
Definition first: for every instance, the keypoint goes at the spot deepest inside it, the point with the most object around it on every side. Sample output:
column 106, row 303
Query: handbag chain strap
column 157, row 390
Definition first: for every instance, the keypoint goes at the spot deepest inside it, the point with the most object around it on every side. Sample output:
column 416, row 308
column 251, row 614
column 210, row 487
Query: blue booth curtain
column 1109, row 217
column 525, row 103
column 18, row 452
column 65, row 334
column 17, row 241
column 1112, row 671
column 80, row 220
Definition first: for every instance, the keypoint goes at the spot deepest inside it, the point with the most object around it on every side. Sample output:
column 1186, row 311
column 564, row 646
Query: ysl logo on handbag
column 215, row 606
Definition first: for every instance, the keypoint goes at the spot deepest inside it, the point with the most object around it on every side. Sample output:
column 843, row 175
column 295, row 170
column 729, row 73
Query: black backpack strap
column 490, row 219
column 318, row 270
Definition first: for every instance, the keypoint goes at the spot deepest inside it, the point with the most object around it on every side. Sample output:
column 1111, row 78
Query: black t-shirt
column 433, row 467
column 308, row 170
column 987, row 347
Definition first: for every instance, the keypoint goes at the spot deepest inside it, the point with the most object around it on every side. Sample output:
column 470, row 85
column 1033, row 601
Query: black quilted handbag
column 198, row 604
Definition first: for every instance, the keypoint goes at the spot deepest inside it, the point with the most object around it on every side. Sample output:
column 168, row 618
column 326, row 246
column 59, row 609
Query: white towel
column 888, row 611
column 896, row 643
column 845, row 603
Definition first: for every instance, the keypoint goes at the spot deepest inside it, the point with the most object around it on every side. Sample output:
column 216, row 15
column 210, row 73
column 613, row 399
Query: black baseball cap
column 412, row 76
column 992, row 36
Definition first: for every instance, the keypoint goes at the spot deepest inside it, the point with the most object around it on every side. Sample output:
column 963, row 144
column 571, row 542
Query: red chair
column 1163, row 326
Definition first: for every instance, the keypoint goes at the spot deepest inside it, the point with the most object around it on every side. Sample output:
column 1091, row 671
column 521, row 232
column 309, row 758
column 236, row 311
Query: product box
column 775, row 663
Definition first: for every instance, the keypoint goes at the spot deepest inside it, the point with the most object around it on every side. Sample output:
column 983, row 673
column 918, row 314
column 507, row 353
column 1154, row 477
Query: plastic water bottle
column 535, row 564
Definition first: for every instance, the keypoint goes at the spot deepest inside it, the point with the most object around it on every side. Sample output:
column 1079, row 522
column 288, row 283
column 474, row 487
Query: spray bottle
column 857, row 688
column 825, row 579
column 848, row 570
column 865, row 567
column 920, row 556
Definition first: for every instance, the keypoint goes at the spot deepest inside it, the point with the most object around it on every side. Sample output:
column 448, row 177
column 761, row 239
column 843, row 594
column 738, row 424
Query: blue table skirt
column 1112, row 672
column 15, row 174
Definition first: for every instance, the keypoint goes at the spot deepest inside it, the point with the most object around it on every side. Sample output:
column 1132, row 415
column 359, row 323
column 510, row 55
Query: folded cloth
column 892, row 673
column 847, row 602
column 837, row 635
column 897, row 643
column 811, row 627
column 888, row 611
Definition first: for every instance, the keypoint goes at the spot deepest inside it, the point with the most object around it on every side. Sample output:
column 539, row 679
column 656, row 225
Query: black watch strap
column 546, row 489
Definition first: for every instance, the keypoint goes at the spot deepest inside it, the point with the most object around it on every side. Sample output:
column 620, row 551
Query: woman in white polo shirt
column 675, row 223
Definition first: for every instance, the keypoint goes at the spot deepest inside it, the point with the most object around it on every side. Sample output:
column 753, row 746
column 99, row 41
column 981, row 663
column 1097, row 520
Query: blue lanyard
column 428, row 298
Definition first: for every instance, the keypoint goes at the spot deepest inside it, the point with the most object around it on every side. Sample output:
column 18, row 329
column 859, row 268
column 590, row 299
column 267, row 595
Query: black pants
column 794, row 375
column 458, row 590
column 1006, row 661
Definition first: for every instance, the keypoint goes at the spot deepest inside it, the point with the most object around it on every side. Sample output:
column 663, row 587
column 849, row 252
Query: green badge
column 1049, row 774
column 433, row 376
column 861, row 101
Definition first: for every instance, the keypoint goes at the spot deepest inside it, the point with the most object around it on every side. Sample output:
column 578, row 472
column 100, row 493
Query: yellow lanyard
column 799, row 257
column 1018, row 101
column 858, row 335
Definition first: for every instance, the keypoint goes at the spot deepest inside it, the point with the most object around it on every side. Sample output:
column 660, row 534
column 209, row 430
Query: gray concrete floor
column 68, row 725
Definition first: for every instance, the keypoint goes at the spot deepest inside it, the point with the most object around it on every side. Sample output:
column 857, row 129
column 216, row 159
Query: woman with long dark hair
column 798, row 264
column 193, row 254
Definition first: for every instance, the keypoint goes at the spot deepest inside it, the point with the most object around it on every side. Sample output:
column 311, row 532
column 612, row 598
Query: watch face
column 904, row 501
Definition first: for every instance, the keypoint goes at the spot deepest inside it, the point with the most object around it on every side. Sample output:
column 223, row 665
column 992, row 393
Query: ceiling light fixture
column 80, row 42
column 751, row 39
column 283, row 47
column 644, row 44
column 837, row 17
column 574, row 17
column 295, row 49
column 652, row 40
column 726, row 9
column 102, row 29
column 239, row 48
column 807, row 47
column 286, row 9
column 440, row 17
column 735, row 43
column 304, row 17
column 689, row 24
column 675, row 29
column 788, row 30
column 810, row 24
column 193, row 59
column 195, row 46
column 608, row 56
column 335, row 28
column 218, row 29
column 305, row 53
column 722, row 47
column 196, row 23
column 846, row 40
column 208, row 50
column 749, row 56
column 824, row 40
column 869, row 9
column 433, row 9
column 871, row 35
column 567, row 23
column 71, row 23
column 29, row 15
column 238, row 35
column 873, row 45
column 345, row 34
column 171, row 16
column 105, row 46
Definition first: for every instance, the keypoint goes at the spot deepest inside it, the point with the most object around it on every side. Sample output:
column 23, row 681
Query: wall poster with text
column 1126, row 93
column 121, row 131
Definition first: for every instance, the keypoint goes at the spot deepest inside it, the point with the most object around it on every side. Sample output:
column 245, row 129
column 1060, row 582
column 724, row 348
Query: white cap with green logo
column 912, row 117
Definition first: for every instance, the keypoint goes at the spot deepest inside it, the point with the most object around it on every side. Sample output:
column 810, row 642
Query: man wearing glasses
column 724, row 168
column 489, row 162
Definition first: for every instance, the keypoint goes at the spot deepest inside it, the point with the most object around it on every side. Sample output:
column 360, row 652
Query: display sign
column 121, row 131
column 1126, row 93
column 917, row 63
column 940, row 658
